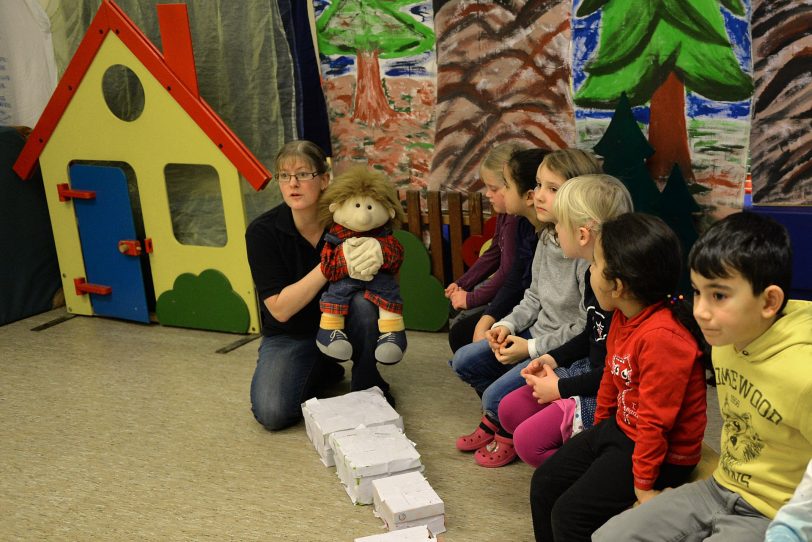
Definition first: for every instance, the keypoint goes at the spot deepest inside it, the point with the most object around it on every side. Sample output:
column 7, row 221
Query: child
column 480, row 283
column 762, row 347
column 559, row 398
column 650, row 417
column 793, row 522
column 549, row 314
column 520, row 182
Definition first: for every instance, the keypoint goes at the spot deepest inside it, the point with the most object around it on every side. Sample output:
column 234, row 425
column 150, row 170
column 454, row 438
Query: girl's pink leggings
column 536, row 428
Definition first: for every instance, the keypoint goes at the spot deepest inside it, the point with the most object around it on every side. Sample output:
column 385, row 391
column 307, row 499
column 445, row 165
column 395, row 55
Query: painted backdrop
column 503, row 76
column 379, row 74
column 686, row 68
column 781, row 137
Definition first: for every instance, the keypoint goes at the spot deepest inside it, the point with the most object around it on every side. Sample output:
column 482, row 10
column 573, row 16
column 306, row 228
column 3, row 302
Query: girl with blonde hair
column 558, row 399
column 549, row 314
column 511, row 247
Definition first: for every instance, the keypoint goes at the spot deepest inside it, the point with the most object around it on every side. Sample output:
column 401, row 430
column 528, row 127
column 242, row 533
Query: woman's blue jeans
column 288, row 368
column 475, row 364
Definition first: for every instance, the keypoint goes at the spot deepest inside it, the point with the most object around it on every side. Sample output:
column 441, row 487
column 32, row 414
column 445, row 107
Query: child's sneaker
column 498, row 453
column 390, row 347
column 481, row 437
column 334, row 343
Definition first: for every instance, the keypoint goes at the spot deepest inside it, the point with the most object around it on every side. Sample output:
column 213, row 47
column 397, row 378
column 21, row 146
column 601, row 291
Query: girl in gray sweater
column 550, row 313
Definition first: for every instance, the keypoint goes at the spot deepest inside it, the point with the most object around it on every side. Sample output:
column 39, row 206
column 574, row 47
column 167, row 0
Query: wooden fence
column 433, row 217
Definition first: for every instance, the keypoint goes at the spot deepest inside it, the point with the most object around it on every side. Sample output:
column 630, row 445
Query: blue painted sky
column 585, row 32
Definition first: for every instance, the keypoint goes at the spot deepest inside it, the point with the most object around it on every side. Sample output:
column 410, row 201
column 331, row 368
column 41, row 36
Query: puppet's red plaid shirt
column 333, row 265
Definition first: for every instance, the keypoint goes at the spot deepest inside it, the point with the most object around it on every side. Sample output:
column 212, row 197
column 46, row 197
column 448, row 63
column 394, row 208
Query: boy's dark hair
column 753, row 245
column 645, row 254
column 523, row 166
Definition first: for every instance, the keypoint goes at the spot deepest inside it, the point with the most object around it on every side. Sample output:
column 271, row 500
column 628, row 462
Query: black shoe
column 329, row 373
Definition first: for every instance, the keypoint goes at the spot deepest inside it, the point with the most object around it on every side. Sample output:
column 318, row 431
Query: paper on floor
column 407, row 500
column 323, row 417
column 368, row 453
column 412, row 534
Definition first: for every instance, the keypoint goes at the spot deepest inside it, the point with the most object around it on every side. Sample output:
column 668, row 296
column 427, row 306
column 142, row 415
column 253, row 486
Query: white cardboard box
column 323, row 417
column 364, row 454
column 412, row 534
column 407, row 500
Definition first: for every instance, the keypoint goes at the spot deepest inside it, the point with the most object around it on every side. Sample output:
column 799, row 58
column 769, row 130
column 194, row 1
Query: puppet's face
column 361, row 213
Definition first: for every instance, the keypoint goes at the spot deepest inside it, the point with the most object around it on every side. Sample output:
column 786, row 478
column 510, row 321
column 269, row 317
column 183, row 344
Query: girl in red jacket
column 650, row 417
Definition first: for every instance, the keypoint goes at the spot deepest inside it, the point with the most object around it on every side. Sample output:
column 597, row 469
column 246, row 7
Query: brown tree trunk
column 371, row 106
column 667, row 131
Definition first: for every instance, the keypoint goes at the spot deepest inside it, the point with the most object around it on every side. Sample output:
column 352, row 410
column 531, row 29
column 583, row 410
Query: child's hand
column 482, row 327
column 512, row 350
column 453, row 287
column 459, row 299
column 535, row 366
column 645, row 495
column 532, row 368
column 496, row 336
column 545, row 385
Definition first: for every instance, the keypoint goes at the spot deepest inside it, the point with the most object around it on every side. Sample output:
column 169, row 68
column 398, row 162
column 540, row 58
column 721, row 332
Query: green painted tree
column 653, row 50
column 369, row 30
column 624, row 150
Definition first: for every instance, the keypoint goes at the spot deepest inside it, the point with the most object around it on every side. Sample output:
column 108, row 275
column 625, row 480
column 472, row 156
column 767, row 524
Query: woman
column 284, row 246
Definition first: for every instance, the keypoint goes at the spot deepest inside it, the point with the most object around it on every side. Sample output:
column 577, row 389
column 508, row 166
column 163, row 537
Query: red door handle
column 83, row 287
column 129, row 247
column 65, row 193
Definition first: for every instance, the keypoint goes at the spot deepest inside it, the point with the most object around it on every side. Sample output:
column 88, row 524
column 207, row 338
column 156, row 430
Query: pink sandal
column 498, row 453
column 479, row 438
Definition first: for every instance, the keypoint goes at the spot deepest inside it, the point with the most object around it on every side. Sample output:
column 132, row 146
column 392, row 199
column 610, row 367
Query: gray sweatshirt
column 553, row 303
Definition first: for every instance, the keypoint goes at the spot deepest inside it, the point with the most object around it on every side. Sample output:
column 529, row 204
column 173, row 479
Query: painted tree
column 677, row 208
column 653, row 50
column 624, row 150
column 370, row 30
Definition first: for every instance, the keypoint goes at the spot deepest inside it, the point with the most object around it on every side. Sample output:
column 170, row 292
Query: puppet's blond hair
column 360, row 181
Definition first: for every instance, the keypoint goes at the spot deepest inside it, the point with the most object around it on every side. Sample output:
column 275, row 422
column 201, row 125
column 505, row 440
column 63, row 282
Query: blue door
column 104, row 221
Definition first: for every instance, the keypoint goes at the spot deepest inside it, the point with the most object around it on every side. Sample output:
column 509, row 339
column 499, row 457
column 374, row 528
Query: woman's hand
column 459, row 299
column 545, row 385
column 512, row 350
column 453, row 287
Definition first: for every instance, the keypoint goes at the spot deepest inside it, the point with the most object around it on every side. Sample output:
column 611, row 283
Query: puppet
column 360, row 254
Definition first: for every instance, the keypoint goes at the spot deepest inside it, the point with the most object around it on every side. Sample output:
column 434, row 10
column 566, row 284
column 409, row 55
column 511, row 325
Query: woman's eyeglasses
column 300, row 177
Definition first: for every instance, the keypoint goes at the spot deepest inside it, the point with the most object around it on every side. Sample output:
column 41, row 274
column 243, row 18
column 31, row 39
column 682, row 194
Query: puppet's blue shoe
column 334, row 343
column 390, row 347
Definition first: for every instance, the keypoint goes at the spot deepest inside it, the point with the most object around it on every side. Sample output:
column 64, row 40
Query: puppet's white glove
column 364, row 257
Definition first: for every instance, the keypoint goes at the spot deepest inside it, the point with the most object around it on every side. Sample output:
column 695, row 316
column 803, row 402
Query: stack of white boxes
column 407, row 500
column 323, row 417
column 365, row 454
column 412, row 534
column 362, row 435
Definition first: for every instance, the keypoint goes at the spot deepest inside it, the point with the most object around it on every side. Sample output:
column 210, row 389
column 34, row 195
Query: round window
column 123, row 92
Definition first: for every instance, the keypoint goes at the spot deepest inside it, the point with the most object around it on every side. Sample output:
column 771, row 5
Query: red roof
column 110, row 18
